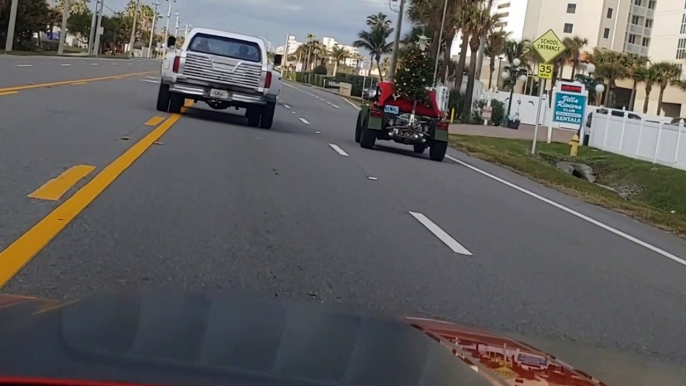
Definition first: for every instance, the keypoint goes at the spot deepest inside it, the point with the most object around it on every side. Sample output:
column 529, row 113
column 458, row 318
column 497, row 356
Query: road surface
column 201, row 201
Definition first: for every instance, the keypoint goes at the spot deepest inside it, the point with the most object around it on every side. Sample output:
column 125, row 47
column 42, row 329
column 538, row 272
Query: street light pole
column 176, row 27
column 91, row 35
column 133, row 28
column 166, row 29
column 63, row 32
column 396, row 43
column 96, row 46
column 152, row 30
column 440, row 38
column 11, row 25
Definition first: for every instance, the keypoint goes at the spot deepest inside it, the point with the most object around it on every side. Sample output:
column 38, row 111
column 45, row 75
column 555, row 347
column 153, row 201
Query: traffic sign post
column 548, row 46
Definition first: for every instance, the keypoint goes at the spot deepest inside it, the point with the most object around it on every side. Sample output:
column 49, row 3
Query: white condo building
column 652, row 28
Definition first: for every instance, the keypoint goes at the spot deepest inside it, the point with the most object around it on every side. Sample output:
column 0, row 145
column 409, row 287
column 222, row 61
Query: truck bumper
column 203, row 93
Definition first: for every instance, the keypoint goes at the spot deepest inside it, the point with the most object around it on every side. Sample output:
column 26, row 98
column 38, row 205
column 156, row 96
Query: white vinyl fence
column 647, row 138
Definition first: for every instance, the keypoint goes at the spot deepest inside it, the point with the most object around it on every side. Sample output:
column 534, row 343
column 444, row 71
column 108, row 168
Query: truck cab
column 222, row 69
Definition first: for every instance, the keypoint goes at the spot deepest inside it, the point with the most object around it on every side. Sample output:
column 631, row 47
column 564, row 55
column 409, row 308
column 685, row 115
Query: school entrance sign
column 548, row 46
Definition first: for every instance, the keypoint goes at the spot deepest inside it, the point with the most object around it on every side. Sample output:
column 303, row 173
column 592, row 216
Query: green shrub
column 498, row 112
column 320, row 70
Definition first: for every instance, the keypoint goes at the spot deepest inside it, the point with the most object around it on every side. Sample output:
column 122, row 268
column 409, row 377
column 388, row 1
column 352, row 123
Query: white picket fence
column 648, row 138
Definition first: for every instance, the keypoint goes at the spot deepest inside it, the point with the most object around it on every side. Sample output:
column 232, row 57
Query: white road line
column 352, row 104
column 339, row 150
column 303, row 120
column 65, row 65
column 574, row 213
column 440, row 233
column 24, row 65
column 94, row 64
column 335, row 106
column 153, row 77
column 149, row 81
column 293, row 112
column 114, row 64
column 287, row 106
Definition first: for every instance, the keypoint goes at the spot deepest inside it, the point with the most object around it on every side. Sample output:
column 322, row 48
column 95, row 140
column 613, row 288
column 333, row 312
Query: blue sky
column 273, row 19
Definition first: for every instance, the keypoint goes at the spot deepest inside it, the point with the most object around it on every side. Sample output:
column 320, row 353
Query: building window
column 634, row 20
column 571, row 8
column 606, row 34
column 609, row 13
column 649, row 23
column 645, row 42
column 681, row 49
column 651, row 4
column 637, row 2
column 683, row 24
column 632, row 39
column 568, row 28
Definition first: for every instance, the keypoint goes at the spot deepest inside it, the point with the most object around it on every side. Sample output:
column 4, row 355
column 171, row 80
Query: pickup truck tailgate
column 232, row 72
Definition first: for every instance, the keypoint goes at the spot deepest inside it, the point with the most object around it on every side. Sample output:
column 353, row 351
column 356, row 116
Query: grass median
column 648, row 192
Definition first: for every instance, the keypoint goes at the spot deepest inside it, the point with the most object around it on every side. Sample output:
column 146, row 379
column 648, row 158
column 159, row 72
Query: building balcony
column 636, row 49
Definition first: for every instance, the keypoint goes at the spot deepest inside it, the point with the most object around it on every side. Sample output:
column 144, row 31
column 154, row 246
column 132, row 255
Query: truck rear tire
column 419, row 148
column 367, row 138
column 437, row 150
column 163, row 98
column 267, row 115
column 253, row 115
column 176, row 102
column 358, row 127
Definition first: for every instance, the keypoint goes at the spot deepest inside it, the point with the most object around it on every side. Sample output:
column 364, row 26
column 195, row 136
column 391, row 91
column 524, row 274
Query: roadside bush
column 498, row 112
column 320, row 70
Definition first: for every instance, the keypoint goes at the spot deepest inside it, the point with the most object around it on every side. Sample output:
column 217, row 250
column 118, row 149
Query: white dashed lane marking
column 339, row 150
column 303, row 120
column 441, row 234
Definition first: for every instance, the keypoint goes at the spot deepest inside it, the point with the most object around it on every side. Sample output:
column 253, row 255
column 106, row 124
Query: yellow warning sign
column 548, row 46
column 545, row 71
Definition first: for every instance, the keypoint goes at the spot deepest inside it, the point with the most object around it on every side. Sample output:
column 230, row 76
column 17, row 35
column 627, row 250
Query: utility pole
column 91, row 35
column 152, row 30
column 440, row 39
column 176, row 26
column 166, row 29
column 133, row 28
column 11, row 25
column 396, row 43
column 63, row 32
column 98, row 26
column 188, row 28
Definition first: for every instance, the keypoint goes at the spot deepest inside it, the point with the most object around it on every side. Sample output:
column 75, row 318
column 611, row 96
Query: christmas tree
column 414, row 75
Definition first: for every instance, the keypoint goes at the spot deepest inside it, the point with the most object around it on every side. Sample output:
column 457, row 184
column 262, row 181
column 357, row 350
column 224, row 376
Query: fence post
column 621, row 138
column 657, row 143
column 640, row 133
column 607, row 128
column 678, row 141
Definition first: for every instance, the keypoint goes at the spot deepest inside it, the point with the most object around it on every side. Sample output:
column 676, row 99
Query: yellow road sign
column 548, row 46
column 545, row 71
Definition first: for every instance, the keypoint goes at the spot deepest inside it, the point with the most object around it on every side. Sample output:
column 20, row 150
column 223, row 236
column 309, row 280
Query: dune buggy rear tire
column 437, row 151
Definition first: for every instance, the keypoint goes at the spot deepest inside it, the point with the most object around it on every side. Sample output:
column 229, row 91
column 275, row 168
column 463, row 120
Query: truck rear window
column 223, row 46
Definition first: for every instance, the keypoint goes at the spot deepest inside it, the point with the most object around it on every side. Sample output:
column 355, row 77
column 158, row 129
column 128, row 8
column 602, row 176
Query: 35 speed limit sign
column 545, row 71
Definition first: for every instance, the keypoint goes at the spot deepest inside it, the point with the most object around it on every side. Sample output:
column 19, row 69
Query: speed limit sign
column 545, row 71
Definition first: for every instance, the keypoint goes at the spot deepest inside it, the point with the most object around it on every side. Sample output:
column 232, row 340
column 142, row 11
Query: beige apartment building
column 652, row 28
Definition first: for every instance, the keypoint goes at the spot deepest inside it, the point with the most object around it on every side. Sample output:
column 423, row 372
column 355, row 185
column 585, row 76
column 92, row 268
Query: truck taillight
column 177, row 63
column 442, row 125
column 268, row 80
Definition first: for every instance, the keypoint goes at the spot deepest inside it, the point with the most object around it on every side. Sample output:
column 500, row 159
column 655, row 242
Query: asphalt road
column 302, row 212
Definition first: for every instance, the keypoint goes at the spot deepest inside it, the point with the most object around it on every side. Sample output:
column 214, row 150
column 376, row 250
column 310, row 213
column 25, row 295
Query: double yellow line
column 14, row 257
column 13, row 89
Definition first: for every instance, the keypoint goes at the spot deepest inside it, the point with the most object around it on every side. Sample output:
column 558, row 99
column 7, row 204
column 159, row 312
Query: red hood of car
column 500, row 359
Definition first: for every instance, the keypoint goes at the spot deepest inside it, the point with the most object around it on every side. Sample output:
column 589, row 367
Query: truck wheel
column 419, row 148
column 358, row 127
column 253, row 115
column 267, row 115
column 367, row 138
column 437, row 150
column 176, row 102
column 163, row 98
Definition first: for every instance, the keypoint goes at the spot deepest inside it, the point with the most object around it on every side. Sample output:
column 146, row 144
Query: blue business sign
column 569, row 108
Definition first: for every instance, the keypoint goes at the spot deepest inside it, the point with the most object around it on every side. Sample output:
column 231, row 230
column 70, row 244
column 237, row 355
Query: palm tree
column 477, row 23
column 378, row 20
column 495, row 46
column 338, row 54
column 310, row 46
column 635, row 66
column 649, row 76
column 375, row 40
column 611, row 66
column 574, row 46
column 667, row 73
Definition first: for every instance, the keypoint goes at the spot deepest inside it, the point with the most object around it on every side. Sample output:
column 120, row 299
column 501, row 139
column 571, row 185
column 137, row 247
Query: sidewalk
column 524, row 132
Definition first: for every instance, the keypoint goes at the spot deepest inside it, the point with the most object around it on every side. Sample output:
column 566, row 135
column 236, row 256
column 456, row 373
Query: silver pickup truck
column 224, row 70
